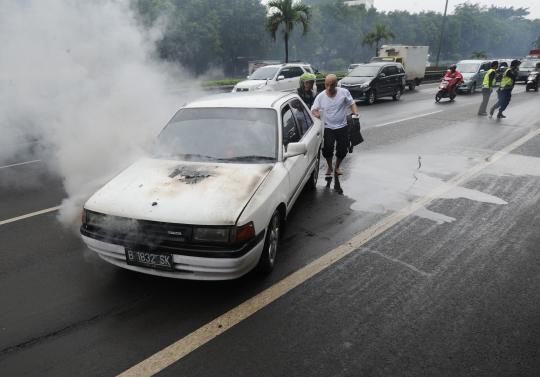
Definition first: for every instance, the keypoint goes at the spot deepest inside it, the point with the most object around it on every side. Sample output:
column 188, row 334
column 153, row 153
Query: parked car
column 210, row 204
column 525, row 69
column 473, row 72
column 277, row 77
column 371, row 81
column 412, row 58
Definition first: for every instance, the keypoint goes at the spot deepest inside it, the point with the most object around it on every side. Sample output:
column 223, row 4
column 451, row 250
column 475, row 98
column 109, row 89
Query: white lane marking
column 22, row 217
column 176, row 351
column 19, row 164
column 405, row 119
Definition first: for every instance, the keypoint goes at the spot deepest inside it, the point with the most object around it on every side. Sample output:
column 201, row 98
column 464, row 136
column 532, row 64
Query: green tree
column 381, row 32
column 536, row 43
column 287, row 13
column 479, row 55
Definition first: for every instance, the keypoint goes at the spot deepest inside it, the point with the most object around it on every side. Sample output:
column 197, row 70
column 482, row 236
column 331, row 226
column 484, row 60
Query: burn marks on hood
column 190, row 175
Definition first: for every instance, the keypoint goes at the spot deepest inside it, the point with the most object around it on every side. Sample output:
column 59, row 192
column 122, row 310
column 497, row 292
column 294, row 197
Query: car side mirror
column 382, row 75
column 280, row 77
column 482, row 71
column 295, row 149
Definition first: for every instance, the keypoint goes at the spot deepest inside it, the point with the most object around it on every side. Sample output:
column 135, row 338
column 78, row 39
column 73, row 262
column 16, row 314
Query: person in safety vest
column 508, row 81
column 306, row 91
column 456, row 79
column 487, row 87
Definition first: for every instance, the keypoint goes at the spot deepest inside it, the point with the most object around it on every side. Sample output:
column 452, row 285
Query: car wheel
column 271, row 243
column 412, row 86
column 397, row 94
column 314, row 177
column 371, row 97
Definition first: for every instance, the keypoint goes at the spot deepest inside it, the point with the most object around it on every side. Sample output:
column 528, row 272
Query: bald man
column 334, row 104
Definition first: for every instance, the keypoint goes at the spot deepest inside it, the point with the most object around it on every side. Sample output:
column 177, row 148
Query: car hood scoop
column 180, row 192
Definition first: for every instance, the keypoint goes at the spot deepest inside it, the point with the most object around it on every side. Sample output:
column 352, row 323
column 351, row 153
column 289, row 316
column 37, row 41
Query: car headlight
column 211, row 235
column 224, row 235
column 365, row 85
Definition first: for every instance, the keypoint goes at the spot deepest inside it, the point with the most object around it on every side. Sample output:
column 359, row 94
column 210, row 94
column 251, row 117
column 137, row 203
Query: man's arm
column 491, row 77
column 354, row 108
column 315, row 108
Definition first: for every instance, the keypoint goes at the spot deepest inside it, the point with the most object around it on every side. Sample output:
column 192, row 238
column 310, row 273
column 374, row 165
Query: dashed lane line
column 19, row 164
column 405, row 119
column 176, row 351
column 22, row 217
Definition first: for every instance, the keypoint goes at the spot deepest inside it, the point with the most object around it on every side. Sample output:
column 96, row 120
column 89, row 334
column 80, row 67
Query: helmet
column 515, row 63
column 453, row 66
column 307, row 77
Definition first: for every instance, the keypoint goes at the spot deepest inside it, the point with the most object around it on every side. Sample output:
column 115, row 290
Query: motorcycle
column 532, row 82
column 446, row 89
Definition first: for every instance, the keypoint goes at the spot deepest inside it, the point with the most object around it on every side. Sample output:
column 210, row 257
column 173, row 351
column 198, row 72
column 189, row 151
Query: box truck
column 413, row 59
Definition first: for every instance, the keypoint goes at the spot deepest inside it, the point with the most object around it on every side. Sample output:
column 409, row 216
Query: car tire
column 314, row 177
column 412, row 86
column 397, row 94
column 371, row 97
column 267, row 259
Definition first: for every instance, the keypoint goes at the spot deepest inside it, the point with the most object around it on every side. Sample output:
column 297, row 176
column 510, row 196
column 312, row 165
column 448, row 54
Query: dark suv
column 370, row 81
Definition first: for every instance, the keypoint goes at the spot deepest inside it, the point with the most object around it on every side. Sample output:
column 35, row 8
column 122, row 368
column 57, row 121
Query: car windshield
column 220, row 134
column 364, row 71
column 264, row 73
column 468, row 67
column 528, row 64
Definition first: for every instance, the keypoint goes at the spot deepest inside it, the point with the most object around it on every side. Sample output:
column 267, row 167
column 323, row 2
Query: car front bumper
column 357, row 93
column 185, row 266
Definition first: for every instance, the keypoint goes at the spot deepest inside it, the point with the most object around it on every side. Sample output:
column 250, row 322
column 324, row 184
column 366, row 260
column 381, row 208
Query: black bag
column 355, row 137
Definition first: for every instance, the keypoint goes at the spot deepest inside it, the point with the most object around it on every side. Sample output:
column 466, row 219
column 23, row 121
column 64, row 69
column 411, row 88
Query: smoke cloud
column 80, row 84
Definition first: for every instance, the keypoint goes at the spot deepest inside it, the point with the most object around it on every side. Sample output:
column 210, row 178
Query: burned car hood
column 180, row 191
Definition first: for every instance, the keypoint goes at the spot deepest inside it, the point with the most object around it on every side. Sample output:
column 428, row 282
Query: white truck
column 413, row 59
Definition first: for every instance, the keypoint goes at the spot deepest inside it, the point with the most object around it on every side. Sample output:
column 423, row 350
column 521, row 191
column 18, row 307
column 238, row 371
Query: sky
column 438, row 5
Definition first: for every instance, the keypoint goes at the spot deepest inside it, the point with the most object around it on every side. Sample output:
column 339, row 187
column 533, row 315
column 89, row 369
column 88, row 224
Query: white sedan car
column 212, row 201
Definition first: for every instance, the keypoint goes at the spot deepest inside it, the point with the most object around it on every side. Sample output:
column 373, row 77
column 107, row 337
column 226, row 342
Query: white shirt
column 334, row 109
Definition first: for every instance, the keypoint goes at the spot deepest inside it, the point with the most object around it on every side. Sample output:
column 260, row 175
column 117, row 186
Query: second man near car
column 332, row 106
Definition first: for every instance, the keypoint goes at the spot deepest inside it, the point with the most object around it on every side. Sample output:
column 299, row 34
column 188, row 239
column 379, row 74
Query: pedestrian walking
column 306, row 90
column 487, row 87
column 333, row 105
column 508, row 81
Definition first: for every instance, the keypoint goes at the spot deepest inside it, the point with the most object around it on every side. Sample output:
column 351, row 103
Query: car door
column 310, row 134
column 290, row 78
column 296, row 166
column 393, row 79
column 384, row 82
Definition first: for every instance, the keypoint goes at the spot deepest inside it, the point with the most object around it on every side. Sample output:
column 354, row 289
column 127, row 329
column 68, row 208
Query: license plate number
column 162, row 261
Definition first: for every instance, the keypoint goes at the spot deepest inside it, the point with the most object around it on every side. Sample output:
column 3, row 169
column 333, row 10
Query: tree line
column 206, row 34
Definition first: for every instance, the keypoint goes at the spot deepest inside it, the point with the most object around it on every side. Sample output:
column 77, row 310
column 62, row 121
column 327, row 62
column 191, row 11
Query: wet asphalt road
column 452, row 290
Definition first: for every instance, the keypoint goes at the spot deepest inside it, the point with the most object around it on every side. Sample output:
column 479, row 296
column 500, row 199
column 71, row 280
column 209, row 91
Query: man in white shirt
column 334, row 104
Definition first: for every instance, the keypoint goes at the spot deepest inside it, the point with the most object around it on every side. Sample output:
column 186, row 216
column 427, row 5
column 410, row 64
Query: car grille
column 153, row 235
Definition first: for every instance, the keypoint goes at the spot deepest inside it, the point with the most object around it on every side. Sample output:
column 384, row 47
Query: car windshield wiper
column 248, row 158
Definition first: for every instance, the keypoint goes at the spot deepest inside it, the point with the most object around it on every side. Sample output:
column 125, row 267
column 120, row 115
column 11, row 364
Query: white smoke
column 81, row 77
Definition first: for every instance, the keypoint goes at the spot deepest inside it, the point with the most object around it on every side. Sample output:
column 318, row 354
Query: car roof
column 242, row 100
column 380, row 64
column 473, row 61
column 286, row 65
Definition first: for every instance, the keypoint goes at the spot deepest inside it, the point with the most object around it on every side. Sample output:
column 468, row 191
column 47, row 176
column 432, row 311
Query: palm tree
column 479, row 55
column 288, row 13
column 380, row 33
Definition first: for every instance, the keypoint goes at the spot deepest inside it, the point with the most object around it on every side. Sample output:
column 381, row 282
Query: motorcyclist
column 456, row 78
column 306, row 90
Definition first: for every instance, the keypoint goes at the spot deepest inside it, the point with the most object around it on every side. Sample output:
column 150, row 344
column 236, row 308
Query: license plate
column 162, row 261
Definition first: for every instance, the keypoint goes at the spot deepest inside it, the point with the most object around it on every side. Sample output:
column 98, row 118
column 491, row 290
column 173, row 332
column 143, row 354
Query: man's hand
column 316, row 113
